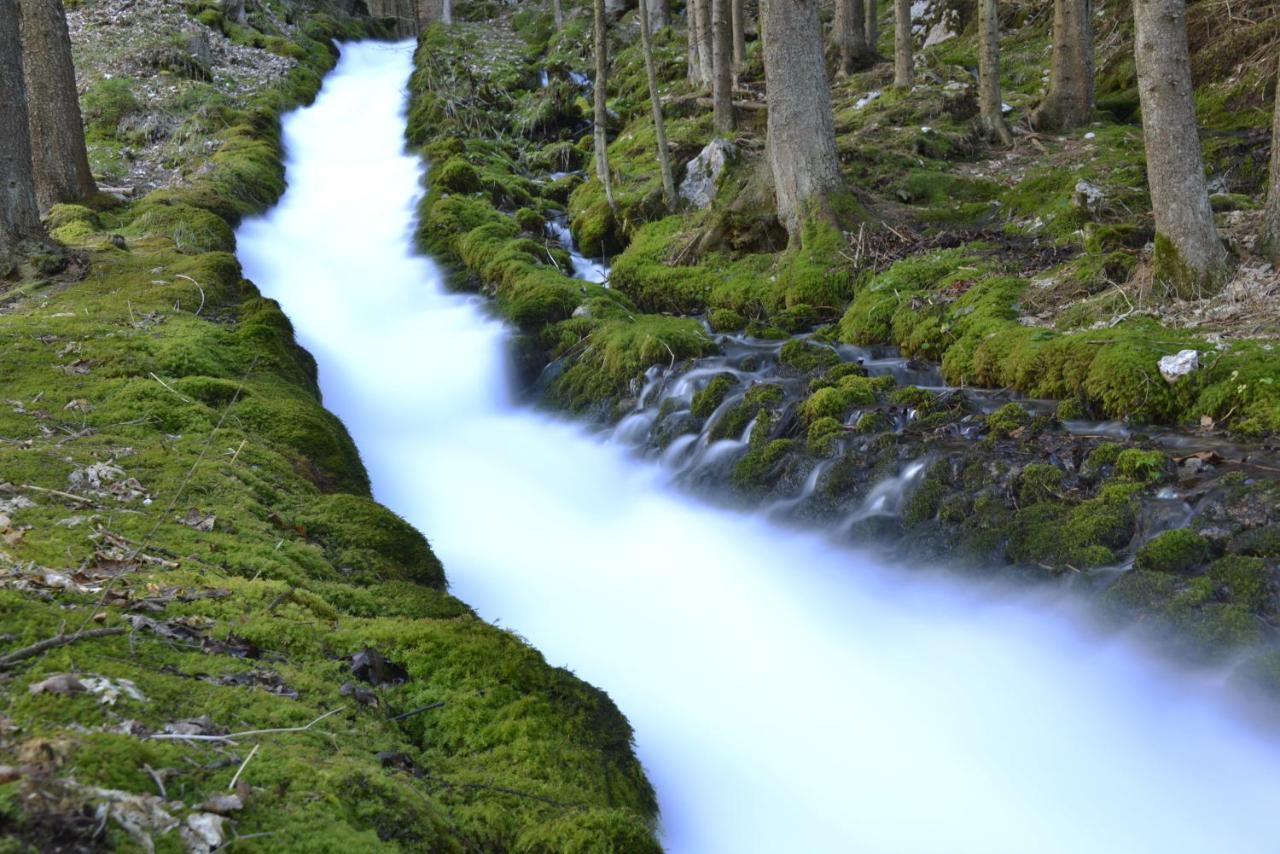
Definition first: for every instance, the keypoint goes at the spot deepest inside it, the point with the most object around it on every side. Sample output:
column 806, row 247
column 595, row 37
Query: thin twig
column 175, row 736
column 200, row 289
column 240, row 770
column 417, row 711
column 57, row 492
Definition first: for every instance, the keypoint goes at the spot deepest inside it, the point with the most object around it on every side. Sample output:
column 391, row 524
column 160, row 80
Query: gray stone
column 703, row 173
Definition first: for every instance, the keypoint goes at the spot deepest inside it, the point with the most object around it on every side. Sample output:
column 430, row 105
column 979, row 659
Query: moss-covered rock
column 1179, row 551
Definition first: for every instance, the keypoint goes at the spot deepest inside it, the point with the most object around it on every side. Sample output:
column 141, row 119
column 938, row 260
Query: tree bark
column 1189, row 257
column 848, row 33
column 903, row 61
column 873, row 26
column 1271, row 221
column 60, row 161
column 19, row 214
column 737, row 19
column 706, row 62
column 233, row 10
column 659, row 124
column 557, row 12
column 801, row 131
column 722, row 67
column 601, row 117
column 990, row 103
column 659, row 14
column 1070, row 100
column 446, row 11
column 694, row 61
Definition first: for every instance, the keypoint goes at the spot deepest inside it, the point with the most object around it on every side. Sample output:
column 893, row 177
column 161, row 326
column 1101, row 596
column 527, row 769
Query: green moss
column 838, row 401
column 1179, row 551
column 709, row 398
column 761, row 397
column 1039, row 482
column 755, row 469
column 1142, row 466
column 1060, row 534
column 1247, row 581
column 805, row 358
column 822, row 435
column 614, row 353
column 192, row 229
column 1007, row 419
column 725, row 320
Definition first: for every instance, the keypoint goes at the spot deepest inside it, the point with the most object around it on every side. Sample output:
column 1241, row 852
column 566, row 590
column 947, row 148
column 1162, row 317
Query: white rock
column 703, row 172
column 1088, row 196
column 1174, row 367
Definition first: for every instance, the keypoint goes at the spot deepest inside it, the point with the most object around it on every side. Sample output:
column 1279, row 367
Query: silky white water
column 787, row 695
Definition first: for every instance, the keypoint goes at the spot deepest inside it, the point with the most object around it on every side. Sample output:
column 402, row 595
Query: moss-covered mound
column 197, row 590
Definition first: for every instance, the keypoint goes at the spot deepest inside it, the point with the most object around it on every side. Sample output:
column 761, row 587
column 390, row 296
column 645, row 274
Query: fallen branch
column 58, row 640
column 57, row 492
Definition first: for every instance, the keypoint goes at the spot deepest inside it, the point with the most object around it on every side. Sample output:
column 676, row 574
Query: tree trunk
column 873, row 25
column 659, row 124
column 903, row 62
column 990, row 103
column 1070, row 100
column 801, row 131
column 601, row 117
column 446, row 11
column 738, row 17
column 659, row 14
column 1271, row 221
column 722, row 67
column 60, row 159
column 848, row 32
column 1189, row 257
column 19, row 215
column 233, row 10
column 706, row 62
column 695, row 42
column 557, row 12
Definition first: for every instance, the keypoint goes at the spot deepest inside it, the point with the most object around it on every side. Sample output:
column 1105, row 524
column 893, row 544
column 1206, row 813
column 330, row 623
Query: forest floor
column 210, row 634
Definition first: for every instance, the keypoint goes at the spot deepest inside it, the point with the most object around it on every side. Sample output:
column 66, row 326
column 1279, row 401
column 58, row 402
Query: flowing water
column 787, row 694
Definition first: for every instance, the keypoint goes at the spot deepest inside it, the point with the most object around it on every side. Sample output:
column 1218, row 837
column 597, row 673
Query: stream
column 788, row 693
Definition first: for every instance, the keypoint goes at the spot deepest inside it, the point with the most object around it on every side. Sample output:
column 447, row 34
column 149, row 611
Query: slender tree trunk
column 659, row 124
column 60, row 159
column 873, row 25
column 738, row 15
column 722, row 67
column 446, row 12
column 990, row 103
column 1070, row 100
column 19, row 214
column 1189, row 257
column 801, row 131
column 601, row 108
column 659, row 14
column 1271, row 222
column 903, row 62
column 848, row 32
column 233, row 10
column 695, row 42
column 706, row 61
column 557, row 11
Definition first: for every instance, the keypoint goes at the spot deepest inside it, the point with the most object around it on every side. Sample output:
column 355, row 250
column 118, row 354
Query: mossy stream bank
column 1091, row 481
column 171, row 483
